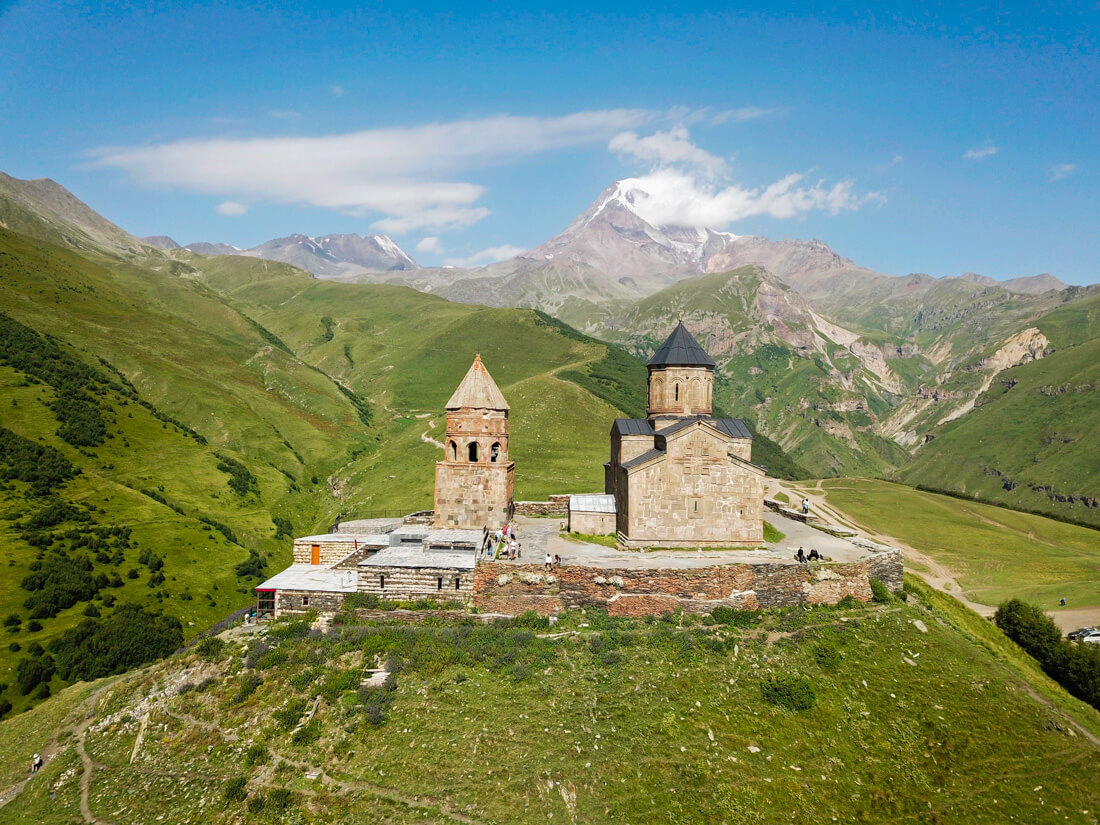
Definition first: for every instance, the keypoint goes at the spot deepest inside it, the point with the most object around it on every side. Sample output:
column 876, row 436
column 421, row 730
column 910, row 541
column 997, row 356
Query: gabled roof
column 478, row 390
column 633, row 426
column 733, row 427
column 682, row 350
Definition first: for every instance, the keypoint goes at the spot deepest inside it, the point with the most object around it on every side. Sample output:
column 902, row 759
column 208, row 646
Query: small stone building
column 475, row 481
column 680, row 477
column 592, row 515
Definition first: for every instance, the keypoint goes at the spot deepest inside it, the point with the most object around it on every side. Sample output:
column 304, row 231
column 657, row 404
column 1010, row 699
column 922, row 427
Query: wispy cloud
column 281, row 114
column 487, row 256
column 1061, row 171
column 406, row 175
column 666, row 149
column 980, row 152
column 231, row 208
column 717, row 115
column 336, row 90
column 669, row 197
column 688, row 186
column 430, row 246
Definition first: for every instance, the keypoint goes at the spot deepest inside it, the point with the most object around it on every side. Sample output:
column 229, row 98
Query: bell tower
column 475, row 481
column 681, row 380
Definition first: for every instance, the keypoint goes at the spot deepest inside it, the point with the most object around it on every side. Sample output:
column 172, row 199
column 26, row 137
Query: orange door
column 315, row 558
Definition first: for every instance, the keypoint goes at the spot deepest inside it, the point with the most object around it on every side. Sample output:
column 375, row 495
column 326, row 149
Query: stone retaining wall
column 512, row 589
column 556, row 505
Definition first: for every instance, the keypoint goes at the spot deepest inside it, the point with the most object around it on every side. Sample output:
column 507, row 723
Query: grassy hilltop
column 899, row 712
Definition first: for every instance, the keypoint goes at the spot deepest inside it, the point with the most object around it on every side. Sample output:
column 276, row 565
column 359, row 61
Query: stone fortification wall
column 417, row 583
column 555, row 505
column 512, row 589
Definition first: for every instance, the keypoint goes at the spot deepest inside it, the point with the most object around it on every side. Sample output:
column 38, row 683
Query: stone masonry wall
column 512, row 589
column 592, row 524
column 331, row 551
column 473, row 495
column 417, row 583
column 293, row 601
column 555, row 505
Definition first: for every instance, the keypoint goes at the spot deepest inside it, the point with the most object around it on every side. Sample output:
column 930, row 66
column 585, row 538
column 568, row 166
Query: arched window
column 658, row 393
column 494, row 452
column 454, row 451
column 472, row 450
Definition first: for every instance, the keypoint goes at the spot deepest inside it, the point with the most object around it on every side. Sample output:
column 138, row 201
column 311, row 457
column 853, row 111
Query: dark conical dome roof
column 682, row 350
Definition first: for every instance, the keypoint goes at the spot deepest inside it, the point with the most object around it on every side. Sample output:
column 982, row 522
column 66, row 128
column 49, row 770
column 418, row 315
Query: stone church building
column 679, row 476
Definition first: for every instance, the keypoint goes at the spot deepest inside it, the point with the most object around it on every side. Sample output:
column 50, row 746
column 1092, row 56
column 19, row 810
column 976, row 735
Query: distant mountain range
column 850, row 371
column 335, row 257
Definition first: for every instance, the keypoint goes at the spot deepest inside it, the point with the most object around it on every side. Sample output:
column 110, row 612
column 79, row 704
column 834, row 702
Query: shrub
column 307, row 733
column 129, row 637
column 849, row 602
column 248, row 684
column 827, row 655
column 256, row 804
column 611, row 657
column 880, row 593
column 235, row 789
column 733, row 617
column 532, row 620
column 255, row 755
column 12, row 620
column 210, row 648
column 15, row 647
column 5, row 708
column 288, row 715
column 42, row 691
column 788, row 690
column 33, row 626
column 32, row 672
column 280, row 799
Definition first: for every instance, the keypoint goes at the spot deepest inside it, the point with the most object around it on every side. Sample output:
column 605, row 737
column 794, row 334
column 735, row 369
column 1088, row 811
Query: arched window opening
column 658, row 388
column 472, row 450
column 676, row 392
column 494, row 452
column 454, row 451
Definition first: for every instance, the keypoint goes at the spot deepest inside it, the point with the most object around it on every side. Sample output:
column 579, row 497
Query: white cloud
column 280, row 114
column 667, row 148
column 1061, row 171
column 741, row 115
column 405, row 174
column 669, row 197
column 487, row 256
column 980, row 152
column 430, row 246
column 337, row 91
column 230, row 208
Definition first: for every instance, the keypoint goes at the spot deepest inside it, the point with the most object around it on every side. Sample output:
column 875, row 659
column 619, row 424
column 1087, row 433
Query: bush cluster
column 129, row 637
column 788, row 690
column 1076, row 667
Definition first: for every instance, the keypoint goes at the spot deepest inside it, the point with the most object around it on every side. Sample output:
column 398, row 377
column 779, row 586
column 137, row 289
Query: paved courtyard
column 539, row 536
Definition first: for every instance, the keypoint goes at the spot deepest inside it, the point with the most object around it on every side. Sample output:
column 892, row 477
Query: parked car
column 1091, row 638
column 1074, row 635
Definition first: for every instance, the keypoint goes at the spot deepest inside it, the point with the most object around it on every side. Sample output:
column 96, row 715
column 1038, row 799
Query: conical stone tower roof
column 478, row 390
column 681, row 350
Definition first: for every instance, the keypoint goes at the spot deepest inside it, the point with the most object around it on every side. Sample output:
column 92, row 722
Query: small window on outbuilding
column 439, row 584
column 472, row 449
column 382, row 582
column 458, row 583
column 305, row 601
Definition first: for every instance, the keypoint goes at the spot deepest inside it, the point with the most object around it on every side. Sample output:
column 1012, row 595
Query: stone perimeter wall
column 513, row 589
column 556, row 505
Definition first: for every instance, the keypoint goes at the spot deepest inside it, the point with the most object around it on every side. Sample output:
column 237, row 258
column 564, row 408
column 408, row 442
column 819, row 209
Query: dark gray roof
column 633, row 426
column 733, row 427
column 681, row 349
column 642, row 459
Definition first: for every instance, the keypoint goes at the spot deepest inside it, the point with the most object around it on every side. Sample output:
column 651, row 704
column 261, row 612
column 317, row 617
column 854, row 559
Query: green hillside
column 1032, row 440
column 199, row 411
column 901, row 712
column 995, row 554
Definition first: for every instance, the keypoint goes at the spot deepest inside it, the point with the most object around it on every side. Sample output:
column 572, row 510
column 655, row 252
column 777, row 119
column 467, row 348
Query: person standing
column 549, row 561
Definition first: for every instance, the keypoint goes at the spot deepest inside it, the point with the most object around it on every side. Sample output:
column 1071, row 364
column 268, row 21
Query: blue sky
column 910, row 137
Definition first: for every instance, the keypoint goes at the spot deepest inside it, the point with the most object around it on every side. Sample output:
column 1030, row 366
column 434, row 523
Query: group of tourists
column 805, row 506
column 504, row 543
column 802, row 558
column 552, row 561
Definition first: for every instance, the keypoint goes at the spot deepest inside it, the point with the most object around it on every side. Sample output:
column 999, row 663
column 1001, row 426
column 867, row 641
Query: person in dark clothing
column 814, row 555
column 800, row 556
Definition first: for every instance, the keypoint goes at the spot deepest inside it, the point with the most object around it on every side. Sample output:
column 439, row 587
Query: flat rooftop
column 312, row 577
column 406, row 556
